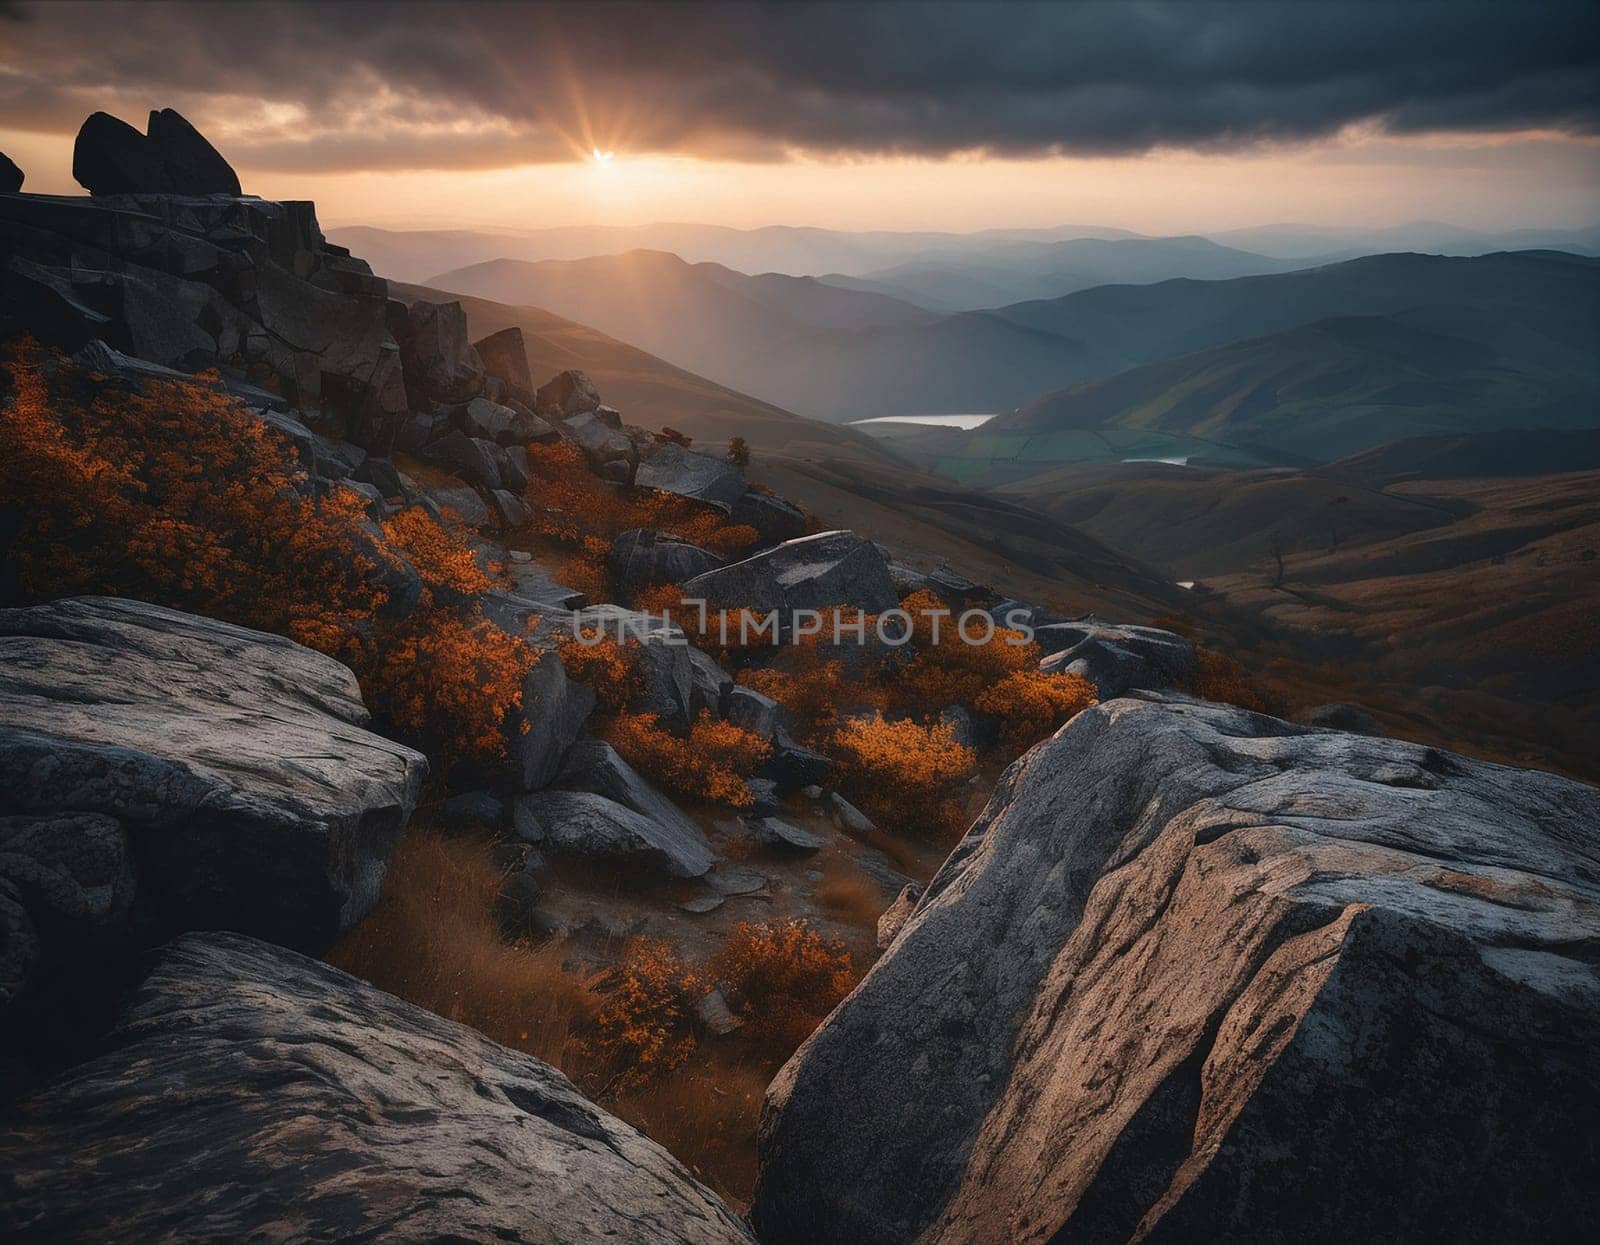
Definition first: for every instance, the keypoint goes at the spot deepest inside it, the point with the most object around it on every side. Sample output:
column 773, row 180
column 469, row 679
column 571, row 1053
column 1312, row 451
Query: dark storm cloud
column 459, row 85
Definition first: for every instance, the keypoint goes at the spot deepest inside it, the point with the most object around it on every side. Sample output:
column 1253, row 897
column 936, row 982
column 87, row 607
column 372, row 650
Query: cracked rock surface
column 1197, row 974
column 249, row 1093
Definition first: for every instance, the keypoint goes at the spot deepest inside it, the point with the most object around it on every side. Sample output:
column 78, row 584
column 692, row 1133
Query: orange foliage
column 440, row 556
column 609, row 669
column 904, row 775
column 570, row 502
column 1222, row 679
column 710, row 765
column 1028, row 704
column 645, row 1028
column 783, row 979
column 171, row 491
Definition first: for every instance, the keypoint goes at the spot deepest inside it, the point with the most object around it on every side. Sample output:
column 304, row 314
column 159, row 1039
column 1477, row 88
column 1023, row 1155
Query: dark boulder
column 1198, row 974
column 672, row 469
column 251, row 1094
column 110, row 157
column 565, row 395
column 775, row 834
column 505, row 357
column 439, row 361
column 555, row 709
column 792, row 765
column 774, row 519
column 11, row 176
column 587, row 826
column 237, row 762
column 815, row 572
column 640, row 556
column 594, row 766
column 1117, row 659
column 193, row 165
column 474, row 460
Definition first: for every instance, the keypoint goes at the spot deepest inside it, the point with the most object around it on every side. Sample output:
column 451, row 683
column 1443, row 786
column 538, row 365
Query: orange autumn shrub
column 439, row 554
column 645, row 1028
column 904, row 775
column 1219, row 677
column 609, row 669
column 711, row 764
column 782, row 979
column 1029, row 705
column 171, row 491
column 946, row 669
column 570, row 503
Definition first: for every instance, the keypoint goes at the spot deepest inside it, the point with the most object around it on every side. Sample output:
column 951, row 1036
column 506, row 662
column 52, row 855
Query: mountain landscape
column 925, row 727
column 862, row 353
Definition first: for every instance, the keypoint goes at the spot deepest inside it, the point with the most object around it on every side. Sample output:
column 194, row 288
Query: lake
column 968, row 422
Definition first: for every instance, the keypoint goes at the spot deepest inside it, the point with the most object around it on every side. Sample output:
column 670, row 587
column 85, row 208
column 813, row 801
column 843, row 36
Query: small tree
column 739, row 452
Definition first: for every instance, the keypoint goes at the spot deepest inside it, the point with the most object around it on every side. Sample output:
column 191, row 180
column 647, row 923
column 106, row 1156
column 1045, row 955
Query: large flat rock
column 814, row 572
column 1198, row 974
column 237, row 762
column 249, row 1093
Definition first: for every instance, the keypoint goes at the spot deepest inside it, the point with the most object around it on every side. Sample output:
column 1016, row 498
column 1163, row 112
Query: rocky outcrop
column 815, row 572
column 248, row 1093
column 1200, row 974
column 1116, row 659
column 187, row 282
column 229, row 769
column 11, row 177
column 110, row 157
column 671, row 468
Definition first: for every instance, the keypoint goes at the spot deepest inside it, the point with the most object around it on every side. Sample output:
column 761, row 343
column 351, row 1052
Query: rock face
column 306, row 1105
column 815, row 572
column 189, row 282
column 1116, row 659
column 1200, row 974
column 234, row 762
column 447, row 367
column 673, row 469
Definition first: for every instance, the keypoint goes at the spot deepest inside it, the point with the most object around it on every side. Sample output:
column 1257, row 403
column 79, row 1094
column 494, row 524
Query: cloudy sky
column 1148, row 115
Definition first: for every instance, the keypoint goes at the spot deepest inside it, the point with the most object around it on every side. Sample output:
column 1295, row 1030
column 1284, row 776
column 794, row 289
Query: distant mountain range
column 1021, row 271
column 414, row 255
column 1508, row 332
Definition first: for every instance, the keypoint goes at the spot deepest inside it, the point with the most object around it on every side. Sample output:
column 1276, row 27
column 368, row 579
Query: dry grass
column 434, row 940
column 848, row 895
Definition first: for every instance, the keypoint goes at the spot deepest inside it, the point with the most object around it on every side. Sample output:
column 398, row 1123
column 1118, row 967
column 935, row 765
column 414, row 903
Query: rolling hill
column 1031, row 270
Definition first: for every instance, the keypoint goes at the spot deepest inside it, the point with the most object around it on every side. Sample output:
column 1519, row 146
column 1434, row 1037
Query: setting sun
column 601, row 157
